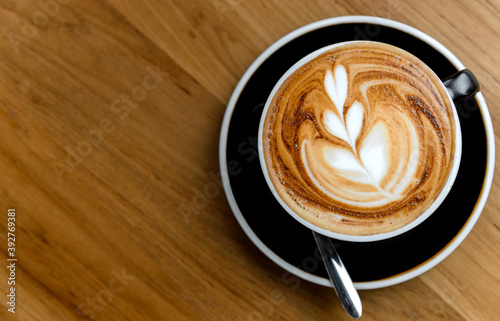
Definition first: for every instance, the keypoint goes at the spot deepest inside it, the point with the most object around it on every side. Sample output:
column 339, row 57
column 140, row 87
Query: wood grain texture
column 110, row 113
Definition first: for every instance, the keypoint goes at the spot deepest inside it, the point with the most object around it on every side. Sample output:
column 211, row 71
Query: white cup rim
column 359, row 238
column 412, row 272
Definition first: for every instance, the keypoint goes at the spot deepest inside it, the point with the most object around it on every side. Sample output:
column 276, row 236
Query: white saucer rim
column 399, row 278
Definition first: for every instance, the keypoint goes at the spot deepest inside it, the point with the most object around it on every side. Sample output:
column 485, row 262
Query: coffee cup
column 360, row 141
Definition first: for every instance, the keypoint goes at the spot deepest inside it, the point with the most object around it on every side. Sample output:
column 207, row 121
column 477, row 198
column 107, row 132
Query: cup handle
column 461, row 85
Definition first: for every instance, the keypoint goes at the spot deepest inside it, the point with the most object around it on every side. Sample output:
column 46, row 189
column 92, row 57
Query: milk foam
column 370, row 164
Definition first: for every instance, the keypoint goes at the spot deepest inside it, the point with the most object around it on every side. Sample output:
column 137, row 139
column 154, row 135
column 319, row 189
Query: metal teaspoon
column 342, row 283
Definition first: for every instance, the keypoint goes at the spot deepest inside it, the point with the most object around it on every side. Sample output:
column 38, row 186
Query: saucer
column 291, row 245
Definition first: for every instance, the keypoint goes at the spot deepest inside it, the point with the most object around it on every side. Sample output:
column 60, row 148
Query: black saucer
column 292, row 242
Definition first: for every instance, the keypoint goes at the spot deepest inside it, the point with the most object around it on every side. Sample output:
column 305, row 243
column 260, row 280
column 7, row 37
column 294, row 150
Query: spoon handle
column 341, row 280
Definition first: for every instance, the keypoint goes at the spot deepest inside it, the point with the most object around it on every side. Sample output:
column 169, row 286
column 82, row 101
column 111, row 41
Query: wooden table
column 110, row 113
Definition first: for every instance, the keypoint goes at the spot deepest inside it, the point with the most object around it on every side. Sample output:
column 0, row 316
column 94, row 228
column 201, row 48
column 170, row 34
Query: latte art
column 360, row 140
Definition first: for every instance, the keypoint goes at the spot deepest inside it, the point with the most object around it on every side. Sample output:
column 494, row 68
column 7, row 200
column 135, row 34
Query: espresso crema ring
column 360, row 140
